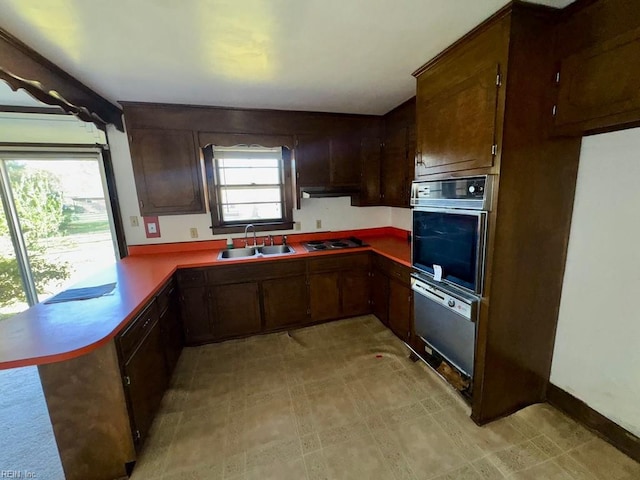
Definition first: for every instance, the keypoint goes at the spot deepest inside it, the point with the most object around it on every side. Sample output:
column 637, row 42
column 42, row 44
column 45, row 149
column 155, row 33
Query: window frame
column 217, row 224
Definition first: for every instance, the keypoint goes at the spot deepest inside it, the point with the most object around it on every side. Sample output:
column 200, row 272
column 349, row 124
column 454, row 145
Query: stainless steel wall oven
column 449, row 239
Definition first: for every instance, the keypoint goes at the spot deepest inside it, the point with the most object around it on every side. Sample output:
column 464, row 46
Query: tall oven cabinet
column 484, row 106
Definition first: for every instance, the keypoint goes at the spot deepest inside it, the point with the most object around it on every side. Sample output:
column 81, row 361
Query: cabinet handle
column 146, row 323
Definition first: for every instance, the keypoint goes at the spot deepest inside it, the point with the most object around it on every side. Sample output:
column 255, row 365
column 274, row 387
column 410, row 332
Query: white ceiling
column 326, row 55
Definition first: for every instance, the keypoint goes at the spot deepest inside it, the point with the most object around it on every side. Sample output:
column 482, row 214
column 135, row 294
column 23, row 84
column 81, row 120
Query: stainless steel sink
column 275, row 250
column 238, row 253
column 250, row 252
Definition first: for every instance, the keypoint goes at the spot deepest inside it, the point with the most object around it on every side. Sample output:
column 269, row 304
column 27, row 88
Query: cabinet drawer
column 137, row 329
column 191, row 277
column 339, row 262
column 400, row 272
column 255, row 271
column 164, row 297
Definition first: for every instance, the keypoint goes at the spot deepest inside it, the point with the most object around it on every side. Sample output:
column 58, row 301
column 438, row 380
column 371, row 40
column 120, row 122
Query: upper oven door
column 454, row 240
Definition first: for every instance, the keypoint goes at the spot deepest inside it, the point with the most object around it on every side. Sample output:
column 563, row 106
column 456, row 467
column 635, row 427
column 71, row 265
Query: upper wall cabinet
column 460, row 102
column 328, row 161
column 166, row 167
column 598, row 52
column 398, row 154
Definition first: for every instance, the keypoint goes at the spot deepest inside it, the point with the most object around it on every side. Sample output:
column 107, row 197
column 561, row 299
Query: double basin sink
column 250, row 252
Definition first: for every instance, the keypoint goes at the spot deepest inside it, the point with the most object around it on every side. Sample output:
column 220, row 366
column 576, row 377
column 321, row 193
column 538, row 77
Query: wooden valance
column 23, row 68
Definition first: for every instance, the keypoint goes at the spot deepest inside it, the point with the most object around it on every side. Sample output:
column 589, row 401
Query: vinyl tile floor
column 342, row 400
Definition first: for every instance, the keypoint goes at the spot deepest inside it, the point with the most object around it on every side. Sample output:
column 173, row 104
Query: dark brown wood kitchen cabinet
column 371, row 170
column 324, row 296
column 598, row 68
column 380, row 295
column 170, row 324
column 392, row 297
column 312, row 155
column 145, row 376
column 398, row 154
column 194, row 306
column 286, row 302
column 400, row 304
column 339, row 286
column 459, row 104
column 235, row 309
column 355, row 288
column 166, row 168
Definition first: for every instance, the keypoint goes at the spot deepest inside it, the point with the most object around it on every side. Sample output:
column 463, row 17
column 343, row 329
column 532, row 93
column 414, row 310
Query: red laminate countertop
column 61, row 331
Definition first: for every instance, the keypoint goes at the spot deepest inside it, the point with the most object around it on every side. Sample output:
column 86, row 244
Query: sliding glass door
column 56, row 226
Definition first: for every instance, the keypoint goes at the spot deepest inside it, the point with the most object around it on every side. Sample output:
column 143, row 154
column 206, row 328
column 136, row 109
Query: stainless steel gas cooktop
column 333, row 244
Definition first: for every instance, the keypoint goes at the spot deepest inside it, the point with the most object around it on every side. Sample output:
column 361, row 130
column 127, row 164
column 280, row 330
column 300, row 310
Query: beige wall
column 597, row 348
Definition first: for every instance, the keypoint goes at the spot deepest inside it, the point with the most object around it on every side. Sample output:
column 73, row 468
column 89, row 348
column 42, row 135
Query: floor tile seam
column 519, row 444
column 549, row 439
column 387, row 431
column 384, row 459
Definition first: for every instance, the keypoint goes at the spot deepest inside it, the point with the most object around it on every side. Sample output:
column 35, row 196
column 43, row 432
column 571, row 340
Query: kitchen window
column 249, row 184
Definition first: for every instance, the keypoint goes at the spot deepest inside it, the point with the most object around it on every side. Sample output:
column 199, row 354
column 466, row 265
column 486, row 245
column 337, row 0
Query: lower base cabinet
column 235, row 310
column 144, row 371
column 400, row 300
column 170, row 325
column 380, row 295
column 392, row 297
column 197, row 326
column 355, row 290
column 324, row 292
column 286, row 302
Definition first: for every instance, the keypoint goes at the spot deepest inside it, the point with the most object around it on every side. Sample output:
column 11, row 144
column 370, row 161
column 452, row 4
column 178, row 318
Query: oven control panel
column 473, row 193
column 461, row 306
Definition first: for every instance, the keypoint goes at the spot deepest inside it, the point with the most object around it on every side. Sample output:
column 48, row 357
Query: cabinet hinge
column 494, row 149
column 127, row 380
column 498, row 80
column 308, row 311
column 554, row 110
column 141, row 204
column 557, row 77
column 137, row 435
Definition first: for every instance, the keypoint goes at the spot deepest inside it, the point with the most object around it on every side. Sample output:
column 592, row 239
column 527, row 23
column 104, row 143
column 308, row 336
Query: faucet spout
column 246, row 235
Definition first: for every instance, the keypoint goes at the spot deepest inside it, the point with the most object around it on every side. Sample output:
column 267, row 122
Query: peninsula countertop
column 47, row 333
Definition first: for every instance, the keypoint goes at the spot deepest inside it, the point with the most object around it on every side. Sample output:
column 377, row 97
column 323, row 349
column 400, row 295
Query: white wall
column 597, row 349
column 334, row 213
column 401, row 218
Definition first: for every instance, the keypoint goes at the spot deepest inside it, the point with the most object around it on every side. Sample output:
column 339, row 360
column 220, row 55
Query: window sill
column 260, row 227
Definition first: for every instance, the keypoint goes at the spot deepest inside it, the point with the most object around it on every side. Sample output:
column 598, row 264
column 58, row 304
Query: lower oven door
column 446, row 322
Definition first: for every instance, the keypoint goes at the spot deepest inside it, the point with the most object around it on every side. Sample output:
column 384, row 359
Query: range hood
column 323, row 192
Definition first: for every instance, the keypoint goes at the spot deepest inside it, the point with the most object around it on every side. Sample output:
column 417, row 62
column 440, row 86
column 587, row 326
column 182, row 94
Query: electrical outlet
column 134, row 221
column 297, row 225
column 193, row 232
column 318, row 223
column 152, row 227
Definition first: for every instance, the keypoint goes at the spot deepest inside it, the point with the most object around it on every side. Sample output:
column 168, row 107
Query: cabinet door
column 171, row 329
column 599, row 86
column 237, row 309
column 324, row 291
column 195, row 315
column 380, row 296
column 400, row 309
column 344, row 161
column 456, row 127
column 166, row 167
column 312, row 155
column 394, row 171
column 145, row 381
column 371, row 171
column 286, row 302
column 354, row 288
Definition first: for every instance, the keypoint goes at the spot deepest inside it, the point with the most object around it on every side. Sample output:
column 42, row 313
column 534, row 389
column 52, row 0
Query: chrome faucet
column 284, row 239
column 269, row 240
column 246, row 233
